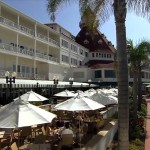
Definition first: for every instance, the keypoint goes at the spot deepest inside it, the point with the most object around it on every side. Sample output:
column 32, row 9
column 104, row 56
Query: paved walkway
column 147, row 139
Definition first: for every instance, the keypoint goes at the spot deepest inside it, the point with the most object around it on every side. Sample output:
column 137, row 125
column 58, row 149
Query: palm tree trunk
column 139, row 89
column 135, row 100
column 123, row 91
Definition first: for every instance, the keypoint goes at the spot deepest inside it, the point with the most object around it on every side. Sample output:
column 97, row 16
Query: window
column 93, row 55
column 73, row 61
column 81, row 51
column 98, row 74
column 65, row 58
column 110, row 74
column 80, row 63
column 64, row 43
column 19, row 68
column 86, row 54
column 73, row 48
column 23, row 69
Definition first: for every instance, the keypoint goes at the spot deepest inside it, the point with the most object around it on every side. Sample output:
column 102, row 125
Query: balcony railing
column 8, row 47
column 16, row 26
column 45, row 38
column 27, row 30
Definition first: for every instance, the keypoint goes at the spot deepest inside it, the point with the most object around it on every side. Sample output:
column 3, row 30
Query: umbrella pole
column 79, row 134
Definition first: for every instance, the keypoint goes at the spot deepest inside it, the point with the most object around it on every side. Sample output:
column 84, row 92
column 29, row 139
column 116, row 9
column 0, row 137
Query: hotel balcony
column 9, row 48
column 27, row 31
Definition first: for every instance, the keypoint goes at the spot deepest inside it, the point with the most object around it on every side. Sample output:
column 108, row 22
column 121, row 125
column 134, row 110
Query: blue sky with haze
column 68, row 17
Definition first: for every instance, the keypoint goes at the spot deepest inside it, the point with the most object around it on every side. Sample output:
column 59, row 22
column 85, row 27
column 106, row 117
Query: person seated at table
column 79, row 120
column 64, row 135
column 59, row 122
column 67, row 129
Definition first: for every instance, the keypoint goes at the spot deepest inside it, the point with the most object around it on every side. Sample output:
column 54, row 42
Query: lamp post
column 37, row 87
column 71, row 81
column 89, row 81
column 99, row 83
column 10, row 78
column 56, row 80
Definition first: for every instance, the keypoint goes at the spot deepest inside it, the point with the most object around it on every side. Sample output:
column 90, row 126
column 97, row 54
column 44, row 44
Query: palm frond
column 103, row 9
column 140, row 7
column 54, row 5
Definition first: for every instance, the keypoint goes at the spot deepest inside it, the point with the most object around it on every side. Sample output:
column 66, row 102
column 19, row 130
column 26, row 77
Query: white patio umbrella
column 113, row 92
column 31, row 96
column 89, row 92
column 104, row 99
column 79, row 103
column 65, row 93
column 20, row 113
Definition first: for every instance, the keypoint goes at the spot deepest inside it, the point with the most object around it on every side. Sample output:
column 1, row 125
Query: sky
column 68, row 17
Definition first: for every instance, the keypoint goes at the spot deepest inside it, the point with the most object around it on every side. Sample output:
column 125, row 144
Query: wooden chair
column 14, row 146
column 5, row 139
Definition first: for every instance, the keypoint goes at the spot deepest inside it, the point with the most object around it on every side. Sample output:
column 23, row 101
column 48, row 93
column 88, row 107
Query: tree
column 102, row 8
column 138, row 59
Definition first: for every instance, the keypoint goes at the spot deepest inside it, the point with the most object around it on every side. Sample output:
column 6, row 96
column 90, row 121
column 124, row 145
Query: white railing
column 45, row 38
column 27, row 30
column 53, row 59
column 27, row 52
column 16, row 26
column 8, row 47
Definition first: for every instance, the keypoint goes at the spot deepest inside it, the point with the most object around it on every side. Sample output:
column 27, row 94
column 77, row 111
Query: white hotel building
column 39, row 52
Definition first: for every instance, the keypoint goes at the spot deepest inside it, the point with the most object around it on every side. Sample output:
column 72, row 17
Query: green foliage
column 36, row 103
column 136, row 145
column 143, row 111
column 135, row 132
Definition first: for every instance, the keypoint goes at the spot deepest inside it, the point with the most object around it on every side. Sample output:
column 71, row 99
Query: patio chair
column 5, row 139
column 14, row 146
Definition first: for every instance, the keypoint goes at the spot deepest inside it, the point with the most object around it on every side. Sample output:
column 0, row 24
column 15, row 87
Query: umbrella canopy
column 20, row 113
column 31, row 96
column 88, row 93
column 113, row 92
column 65, row 93
column 104, row 99
column 78, row 103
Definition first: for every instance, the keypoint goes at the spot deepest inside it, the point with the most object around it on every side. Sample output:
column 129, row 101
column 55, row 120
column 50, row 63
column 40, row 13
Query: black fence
column 7, row 93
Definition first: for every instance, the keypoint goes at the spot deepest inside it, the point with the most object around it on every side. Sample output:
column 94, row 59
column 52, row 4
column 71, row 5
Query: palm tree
column 102, row 8
column 138, row 58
